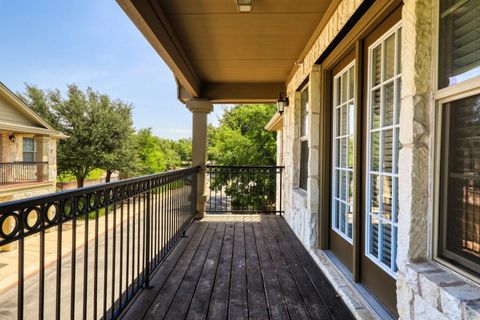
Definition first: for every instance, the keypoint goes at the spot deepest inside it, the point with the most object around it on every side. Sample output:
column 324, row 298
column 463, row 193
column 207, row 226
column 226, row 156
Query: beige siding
column 12, row 115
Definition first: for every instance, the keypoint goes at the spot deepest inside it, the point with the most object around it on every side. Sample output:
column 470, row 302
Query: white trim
column 394, row 128
column 336, row 167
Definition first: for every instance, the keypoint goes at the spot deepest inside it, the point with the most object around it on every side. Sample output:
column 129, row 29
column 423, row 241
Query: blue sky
column 92, row 43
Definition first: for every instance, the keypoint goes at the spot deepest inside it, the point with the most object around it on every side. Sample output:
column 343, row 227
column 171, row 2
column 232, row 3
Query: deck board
column 239, row 267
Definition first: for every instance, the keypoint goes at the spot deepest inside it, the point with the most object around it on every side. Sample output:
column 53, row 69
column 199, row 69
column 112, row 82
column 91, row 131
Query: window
column 304, row 139
column 459, row 58
column 29, row 150
column 382, row 149
column 459, row 234
column 458, row 136
column 343, row 152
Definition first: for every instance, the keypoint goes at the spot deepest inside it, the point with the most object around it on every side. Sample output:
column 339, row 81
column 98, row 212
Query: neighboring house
column 380, row 140
column 28, row 150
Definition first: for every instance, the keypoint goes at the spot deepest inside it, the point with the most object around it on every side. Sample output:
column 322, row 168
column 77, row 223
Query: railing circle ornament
column 28, row 215
column 6, row 224
column 51, row 213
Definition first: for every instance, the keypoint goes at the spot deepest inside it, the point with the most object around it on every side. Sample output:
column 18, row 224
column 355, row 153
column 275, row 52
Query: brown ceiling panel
column 209, row 45
column 244, row 71
column 244, row 36
column 228, row 6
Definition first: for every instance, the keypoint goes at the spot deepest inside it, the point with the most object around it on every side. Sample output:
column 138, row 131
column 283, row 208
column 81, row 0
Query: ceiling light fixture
column 244, row 6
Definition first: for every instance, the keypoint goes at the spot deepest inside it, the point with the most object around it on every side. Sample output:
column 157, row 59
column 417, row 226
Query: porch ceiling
column 217, row 53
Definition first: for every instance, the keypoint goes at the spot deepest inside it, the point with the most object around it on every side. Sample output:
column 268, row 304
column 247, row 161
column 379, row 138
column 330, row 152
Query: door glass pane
column 376, row 96
column 344, row 87
column 373, row 235
column 351, row 84
column 387, row 197
column 388, row 110
column 387, row 150
column 375, row 151
column 386, row 235
column 383, row 109
column 375, row 193
column 377, row 65
column 389, row 59
column 345, row 119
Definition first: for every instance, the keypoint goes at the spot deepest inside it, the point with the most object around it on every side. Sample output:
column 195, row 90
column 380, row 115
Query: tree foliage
column 156, row 154
column 101, row 135
column 99, row 129
column 240, row 139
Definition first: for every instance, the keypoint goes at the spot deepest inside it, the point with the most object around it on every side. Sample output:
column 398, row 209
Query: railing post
column 147, row 236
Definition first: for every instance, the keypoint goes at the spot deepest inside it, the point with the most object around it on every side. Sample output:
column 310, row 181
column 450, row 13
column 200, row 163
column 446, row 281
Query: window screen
column 459, row 234
column 459, row 54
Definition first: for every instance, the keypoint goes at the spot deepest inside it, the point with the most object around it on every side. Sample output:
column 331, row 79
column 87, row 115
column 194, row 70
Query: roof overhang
column 39, row 126
column 275, row 123
column 217, row 53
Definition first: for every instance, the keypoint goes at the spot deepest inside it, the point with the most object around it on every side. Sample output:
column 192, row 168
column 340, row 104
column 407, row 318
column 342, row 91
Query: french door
column 371, row 245
column 343, row 150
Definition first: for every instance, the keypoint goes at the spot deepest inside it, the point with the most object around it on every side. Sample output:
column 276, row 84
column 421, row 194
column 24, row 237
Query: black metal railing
column 97, row 246
column 22, row 172
column 244, row 190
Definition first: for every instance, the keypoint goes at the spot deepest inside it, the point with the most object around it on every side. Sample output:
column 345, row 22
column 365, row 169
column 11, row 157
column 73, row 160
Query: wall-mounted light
column 282, row 103
column 12, row 137
column 244, row 6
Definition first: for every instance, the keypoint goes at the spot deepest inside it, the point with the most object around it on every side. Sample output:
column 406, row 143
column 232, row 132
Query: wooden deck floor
column 239, row 267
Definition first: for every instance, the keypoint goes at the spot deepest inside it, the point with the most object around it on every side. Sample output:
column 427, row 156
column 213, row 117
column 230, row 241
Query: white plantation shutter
column 459, row 41
column 461, row 183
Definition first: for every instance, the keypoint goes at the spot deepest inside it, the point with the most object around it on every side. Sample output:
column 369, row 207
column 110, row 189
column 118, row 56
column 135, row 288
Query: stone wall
column 425, row 289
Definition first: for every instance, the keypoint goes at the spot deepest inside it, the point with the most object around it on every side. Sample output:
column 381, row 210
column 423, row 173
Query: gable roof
column 20, row 118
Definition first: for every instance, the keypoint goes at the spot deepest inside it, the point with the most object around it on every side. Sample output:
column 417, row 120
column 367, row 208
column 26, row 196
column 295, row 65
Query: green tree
column 241, row 140
column 93, row 124
column 121, row 155
column 183, row 147
column 150, row 156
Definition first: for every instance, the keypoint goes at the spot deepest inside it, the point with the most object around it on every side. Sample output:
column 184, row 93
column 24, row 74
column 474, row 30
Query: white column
column 200, row 109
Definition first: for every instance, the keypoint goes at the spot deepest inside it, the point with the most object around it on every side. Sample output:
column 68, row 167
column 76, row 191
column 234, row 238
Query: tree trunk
column 108, row 176
column 80, row 182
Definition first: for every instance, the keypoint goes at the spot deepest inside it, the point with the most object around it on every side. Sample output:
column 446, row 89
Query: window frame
column 335, row 167
column 33, row 152
column 438, row 176
column 392, row 31
column 440, row 97
column 303, row 138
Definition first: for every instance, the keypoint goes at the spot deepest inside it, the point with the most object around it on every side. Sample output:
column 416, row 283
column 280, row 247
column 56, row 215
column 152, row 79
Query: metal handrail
column 244, row 189
column 148, row 215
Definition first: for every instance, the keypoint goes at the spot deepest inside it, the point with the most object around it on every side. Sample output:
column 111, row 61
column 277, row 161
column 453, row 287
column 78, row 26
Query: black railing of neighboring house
column 22, row 172
column 244, row 189
column 120, row 232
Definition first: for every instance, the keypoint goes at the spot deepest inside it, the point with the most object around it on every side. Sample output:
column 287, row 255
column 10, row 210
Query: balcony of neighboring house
column 19, row 166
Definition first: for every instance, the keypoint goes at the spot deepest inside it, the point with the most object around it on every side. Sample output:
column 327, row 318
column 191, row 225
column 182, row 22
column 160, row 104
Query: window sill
column 449, row 293
column 301, row 192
